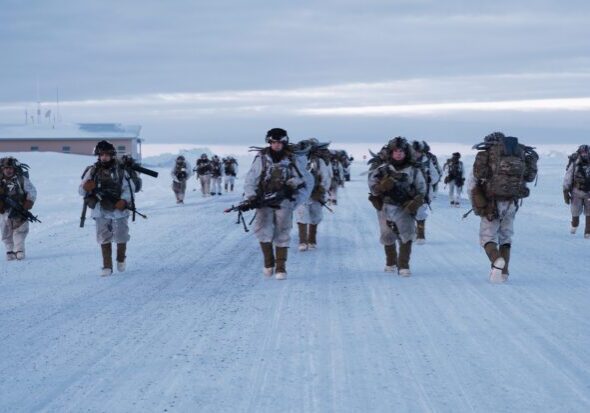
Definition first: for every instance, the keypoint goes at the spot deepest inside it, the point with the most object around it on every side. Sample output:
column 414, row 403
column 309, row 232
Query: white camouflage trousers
column 112, row 230
column 333, row 192
column 205, row 184
column 274, row 225
column 14, row 233
column 422, row 213
column 230, row 182
column 310, row 212
column 455, row 192
column 179, row 189
column 216, row 184
column 580, row 203
column 501, row 229
column 405, row 225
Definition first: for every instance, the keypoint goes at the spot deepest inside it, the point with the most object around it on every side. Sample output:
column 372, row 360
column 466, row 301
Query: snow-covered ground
column 193, row 325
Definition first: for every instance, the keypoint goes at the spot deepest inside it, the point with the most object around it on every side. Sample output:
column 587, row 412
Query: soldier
column 216, row 175
column 230, row 170
column 454, row 178
column 498, row 181
column 277, row 171
column 203, row 170
column 15, row 188
column 576, row 188
column 180, row 174
column 108, row 190
column 397, row 191
column 310, row 213
column 434, row 161
column 337, row 177
column 431, row 176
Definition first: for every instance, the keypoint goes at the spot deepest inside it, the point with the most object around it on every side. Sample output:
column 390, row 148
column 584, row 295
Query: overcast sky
column 343, row 70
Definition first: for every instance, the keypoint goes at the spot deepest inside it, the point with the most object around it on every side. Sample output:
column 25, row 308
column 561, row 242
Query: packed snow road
column 193, row 325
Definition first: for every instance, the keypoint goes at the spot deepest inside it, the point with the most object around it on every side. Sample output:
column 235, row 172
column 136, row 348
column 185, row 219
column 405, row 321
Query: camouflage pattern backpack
column 503, row 167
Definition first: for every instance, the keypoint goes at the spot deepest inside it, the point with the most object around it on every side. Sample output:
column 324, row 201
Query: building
column 76, row 138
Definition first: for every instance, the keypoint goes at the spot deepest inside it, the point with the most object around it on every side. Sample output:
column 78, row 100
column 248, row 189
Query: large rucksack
column 504, row 167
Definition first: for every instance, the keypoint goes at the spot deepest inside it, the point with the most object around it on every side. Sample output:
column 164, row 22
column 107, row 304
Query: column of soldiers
column 287, row 181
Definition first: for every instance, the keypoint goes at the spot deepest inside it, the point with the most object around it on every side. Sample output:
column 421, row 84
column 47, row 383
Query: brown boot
column 576, row 222
column 302, row 233
column 390, row 258
column 403, row 260
column 505, row 253
column 107, row 258
column 121, row 250
column 269, row 258
column 313, row 231
column 420, row 231
column 281, row 268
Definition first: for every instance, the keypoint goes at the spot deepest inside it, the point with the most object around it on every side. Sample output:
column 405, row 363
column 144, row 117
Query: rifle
column 272, row 200
column 129, row 162
column 19, row 209
column 325, row 205
column 83, row 216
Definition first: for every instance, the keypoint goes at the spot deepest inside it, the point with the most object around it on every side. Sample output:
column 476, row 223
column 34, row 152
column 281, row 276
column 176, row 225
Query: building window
column 121, row 148
column 34, row 148
column 65, row 149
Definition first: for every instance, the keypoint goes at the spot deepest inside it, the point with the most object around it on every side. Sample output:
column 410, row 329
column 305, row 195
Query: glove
column 377, row 202
column 89, row 186
column 412, row 206
column 567, row 197
column 385, row 184
column 447, row 179
column 293, row 183
column 120, row 204
column 28, row 204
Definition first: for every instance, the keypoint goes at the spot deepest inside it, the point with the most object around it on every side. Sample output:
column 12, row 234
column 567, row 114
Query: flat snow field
column 193, row 326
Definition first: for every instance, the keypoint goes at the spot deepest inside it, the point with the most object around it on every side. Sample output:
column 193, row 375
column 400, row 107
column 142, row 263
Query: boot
column 505, row 253
column 420, row 232
column 302, row 236
column 587, row 229
column 497, row 261
column 107, row 258
column 269, row 258
column 403, row 261
column 231, row 187
column 311, row 240
column 575, row 224
column 10, row 256
column 390, row 258
column 281, row 269
column 121, row 249
column 225, row 187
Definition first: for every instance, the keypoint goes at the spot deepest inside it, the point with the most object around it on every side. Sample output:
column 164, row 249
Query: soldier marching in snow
column 216, row 175
column 397, row 191
column 337, row 177
column 276, row 183
column 576, row 188
column 108, row 188
column 203, row 170
column 498, row 182
column 17, row 196
column 431, row 176
column 180, row 173
column 454, row 178
column 434, row 161
column 230, row 170
column 310, row 213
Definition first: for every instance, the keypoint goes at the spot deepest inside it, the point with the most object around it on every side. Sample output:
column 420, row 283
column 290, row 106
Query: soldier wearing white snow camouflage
column 277, row 172
column 216, row 175
column 337, row 177
column 434, row 161
column 180, row 173
column 310, row 213
column 15, row 188
column 498, row 182
column 203, row 171
column 230, row 171
column 108, row 188
column 431, row 176
column 454, row 178
column 576, row 188
column 397, row 191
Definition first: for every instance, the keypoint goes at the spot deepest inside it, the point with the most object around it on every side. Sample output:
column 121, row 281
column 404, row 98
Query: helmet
column 215, row 158
column 399, row 142
column 8, row 162
column 105, row 146
column 426, row 146
column 456, row 155
column 494, row 137
column 277, row 135
column 180, row 158
column 583, row 148
column 203, row 156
